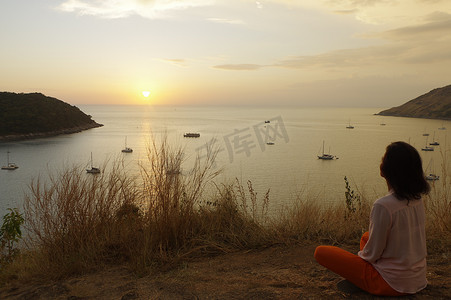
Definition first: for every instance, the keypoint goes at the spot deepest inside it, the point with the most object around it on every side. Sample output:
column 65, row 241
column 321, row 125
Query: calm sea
column 289, row 167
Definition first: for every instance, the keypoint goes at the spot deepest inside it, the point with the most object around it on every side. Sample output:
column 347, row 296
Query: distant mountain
column 433, row 105
column 34, row 115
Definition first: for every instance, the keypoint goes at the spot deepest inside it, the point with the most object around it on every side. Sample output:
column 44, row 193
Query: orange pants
column 355, row 269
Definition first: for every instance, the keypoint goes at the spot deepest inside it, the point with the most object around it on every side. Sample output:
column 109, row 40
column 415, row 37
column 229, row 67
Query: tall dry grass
column 74, row 220
column 438, row 208
column 78, row 222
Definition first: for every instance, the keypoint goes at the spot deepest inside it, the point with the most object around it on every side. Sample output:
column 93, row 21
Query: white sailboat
column 93, row 170
column 434, row 142
column 127, row 149
column 326, row 156
column 426, row 147
column 431, row 176
column 425, row 133
column 349, row 125
column 9, row 165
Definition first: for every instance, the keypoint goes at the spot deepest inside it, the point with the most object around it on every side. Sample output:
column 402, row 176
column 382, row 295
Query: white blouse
column 397, row 243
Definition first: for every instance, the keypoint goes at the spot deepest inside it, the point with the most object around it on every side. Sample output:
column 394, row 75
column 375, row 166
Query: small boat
column 426, row 147
column 270, row 143
column 383, row 124
column 425, row 134
column 9, row 165
column 434, row 143
column 192, row 134
column 326, row 156
column 267, row 121
column 349, row 125
column 93, row 170
column 432, row 177
column 127, row 149
column 442, row 128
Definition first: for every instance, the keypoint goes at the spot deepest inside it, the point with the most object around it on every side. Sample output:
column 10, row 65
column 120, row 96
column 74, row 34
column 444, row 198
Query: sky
column 345, row 53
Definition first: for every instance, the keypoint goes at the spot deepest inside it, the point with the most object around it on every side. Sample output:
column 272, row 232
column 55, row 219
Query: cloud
column 346, row 11
column 176, row 61
column 226, row 21
column 152, row 9
column 437, row 27
column 404, row 49
column 425, row 43
column 380, row 12
column 239, row 67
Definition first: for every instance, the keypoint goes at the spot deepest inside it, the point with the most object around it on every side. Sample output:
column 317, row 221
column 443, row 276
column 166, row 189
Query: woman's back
column 397, row 243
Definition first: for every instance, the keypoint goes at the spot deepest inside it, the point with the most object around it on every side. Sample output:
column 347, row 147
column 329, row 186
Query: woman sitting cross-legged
column 392, row 256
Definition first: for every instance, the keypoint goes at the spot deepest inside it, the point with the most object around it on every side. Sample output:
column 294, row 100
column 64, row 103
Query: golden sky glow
column 377, row 53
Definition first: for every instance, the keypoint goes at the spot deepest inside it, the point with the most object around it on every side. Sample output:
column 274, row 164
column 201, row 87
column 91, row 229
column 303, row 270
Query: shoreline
column 415, row 117
column 37, row 135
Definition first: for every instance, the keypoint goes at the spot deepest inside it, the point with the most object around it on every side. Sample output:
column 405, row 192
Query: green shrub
column 10, row 234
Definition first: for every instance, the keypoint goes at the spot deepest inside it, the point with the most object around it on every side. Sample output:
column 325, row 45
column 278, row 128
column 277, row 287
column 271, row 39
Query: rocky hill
column 433, row 105
column 35, row 115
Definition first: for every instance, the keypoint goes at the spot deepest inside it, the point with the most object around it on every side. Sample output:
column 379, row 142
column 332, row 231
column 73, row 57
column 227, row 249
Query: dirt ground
column 279, row 272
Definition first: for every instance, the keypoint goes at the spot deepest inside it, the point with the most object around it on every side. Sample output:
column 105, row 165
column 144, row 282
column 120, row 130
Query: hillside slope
column 433, row 105
column 36, row 115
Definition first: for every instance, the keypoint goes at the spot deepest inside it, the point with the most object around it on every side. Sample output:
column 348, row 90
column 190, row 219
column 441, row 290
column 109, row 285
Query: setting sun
column 146, row 93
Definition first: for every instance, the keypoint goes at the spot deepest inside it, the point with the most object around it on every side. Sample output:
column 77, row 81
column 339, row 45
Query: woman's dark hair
column 402, row 168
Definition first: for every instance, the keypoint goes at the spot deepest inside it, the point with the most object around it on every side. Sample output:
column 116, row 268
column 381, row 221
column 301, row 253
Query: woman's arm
column 380, row 224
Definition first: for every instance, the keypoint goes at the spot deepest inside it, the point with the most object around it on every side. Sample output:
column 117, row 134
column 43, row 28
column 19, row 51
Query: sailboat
column 434, row 143
column 425, row 133
column 127, row 149
column 93, row 170
column 426, row 147
column 431, row 176
column 326, row 156
column 349, row 125
column 9, row 165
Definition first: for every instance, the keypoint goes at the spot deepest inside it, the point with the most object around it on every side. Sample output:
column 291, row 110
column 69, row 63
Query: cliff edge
column 34, row 115
column 435, row 104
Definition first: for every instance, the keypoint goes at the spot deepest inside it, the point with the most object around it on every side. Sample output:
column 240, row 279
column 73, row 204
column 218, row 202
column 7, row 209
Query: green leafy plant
column 10, row 234
column 352, row 199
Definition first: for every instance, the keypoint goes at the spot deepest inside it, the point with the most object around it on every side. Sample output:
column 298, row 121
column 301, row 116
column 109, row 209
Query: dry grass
column 438, row 209
column 78, row 222
column 310, row 220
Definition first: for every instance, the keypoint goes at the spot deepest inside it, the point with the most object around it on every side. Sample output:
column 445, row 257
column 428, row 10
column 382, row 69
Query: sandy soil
column 279, row 272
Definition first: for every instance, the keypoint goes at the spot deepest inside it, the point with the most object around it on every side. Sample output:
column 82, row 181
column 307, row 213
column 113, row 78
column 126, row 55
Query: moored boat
column 191, row 134
column 326, row 156
column 127, row 149
column 93, row 170
column 9, row 165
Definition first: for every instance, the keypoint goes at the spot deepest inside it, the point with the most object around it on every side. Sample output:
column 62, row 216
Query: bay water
column 275, row 148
